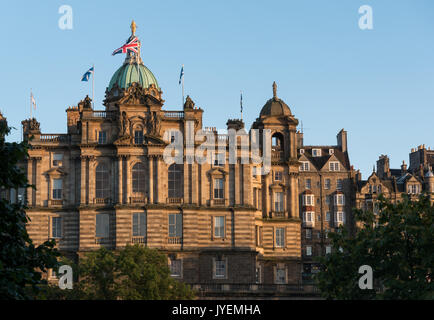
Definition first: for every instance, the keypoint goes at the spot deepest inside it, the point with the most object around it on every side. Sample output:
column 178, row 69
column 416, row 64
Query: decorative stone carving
column 189, row 103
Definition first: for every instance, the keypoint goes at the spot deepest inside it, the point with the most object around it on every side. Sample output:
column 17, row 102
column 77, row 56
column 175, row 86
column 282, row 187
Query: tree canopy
column 21, row 262
column 398, row 244
column 132, row 273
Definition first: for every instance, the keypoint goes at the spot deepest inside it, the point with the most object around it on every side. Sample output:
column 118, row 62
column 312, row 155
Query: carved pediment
column 55, row 172
column 126, row 139
column 216, row 172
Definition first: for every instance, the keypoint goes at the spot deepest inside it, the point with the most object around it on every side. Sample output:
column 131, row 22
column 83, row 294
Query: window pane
column 102, row 184
column 102, row 225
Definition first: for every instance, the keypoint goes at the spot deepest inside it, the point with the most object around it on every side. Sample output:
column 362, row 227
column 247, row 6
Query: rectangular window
column 340, row 217
column 280, row 275
column 219, row 227
column 304, row 166
column 219, row 159
column 175, row 267
column 316, row 152
column 254, row 172
column 309, row 216
column 278, row 201
column 327, row 216
column 280, row 237
column 278, row 175
column 175, row 225
column 328, row 249
column 57, row 188
column 331, row 151
column 308, row 200
column 220, row 268
column 339, row 199
column 339, row 184
column 308, row 250
column 218, row 188
column 102, row 137
column 327, row 184
column 139, row 224
column 138, row 137
column 57, row 159
column 308, row 183
column 334, row 166
column 258, row 274
column 102, row 225
column 308, row 233
column 56, row 227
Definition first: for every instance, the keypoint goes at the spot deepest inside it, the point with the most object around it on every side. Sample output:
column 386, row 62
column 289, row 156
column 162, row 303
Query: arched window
column 277, row 141
column 176, row 181
column 139, row 178
column 102, row 184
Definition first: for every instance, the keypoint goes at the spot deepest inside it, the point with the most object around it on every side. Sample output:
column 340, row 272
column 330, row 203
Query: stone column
column 237, row 182
column 186, row 182
column 38, row 182
column 194, row 183
column 266, row 194
column 83, row 180
column 151, row 179
column 128, row 176
column 247, row 184
column 294, row 195
column 29, row 191
column 120, row 186
column 91, row 178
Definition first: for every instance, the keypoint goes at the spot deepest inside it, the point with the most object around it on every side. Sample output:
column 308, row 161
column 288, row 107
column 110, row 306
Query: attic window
column 301, row 151
column 316, row 152
column 331, row 151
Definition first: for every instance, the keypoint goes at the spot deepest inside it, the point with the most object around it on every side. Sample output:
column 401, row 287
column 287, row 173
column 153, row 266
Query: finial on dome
column 274, row 90
column 133, row 28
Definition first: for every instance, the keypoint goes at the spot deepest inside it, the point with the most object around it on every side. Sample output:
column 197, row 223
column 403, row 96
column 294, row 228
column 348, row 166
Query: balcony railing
column 174, row 240
column 276, row 155
column 140, row 199
column 255, row 288
column 175, row 200
column 138, row 240
column 219, row 202
column 100, row 240
column 54, row 138
column 56, row 202
column 102, row 200
column 174, row 114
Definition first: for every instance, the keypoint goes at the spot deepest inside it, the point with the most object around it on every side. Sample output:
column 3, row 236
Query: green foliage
column 399, row 246
column 134, row 273
column 21, row 262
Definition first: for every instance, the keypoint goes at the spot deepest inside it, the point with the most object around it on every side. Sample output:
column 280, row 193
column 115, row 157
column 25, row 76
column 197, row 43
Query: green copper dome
column 133, row 72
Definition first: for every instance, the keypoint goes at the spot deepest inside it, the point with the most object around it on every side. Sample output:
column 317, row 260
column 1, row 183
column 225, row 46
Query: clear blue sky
column 377, row 84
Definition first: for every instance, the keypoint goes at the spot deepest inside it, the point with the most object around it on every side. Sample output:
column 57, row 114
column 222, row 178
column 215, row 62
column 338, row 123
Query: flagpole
column 93, row 83
column 241, row 104
column 183, row 85
column 31, row 103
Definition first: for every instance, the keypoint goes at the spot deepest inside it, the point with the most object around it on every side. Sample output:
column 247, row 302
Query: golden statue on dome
column 133, row 28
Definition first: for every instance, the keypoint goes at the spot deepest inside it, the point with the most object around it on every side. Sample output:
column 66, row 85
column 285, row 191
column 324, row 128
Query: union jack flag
column 132, row 45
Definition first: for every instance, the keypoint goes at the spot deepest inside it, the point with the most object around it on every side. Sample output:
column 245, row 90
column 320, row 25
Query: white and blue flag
column 86, row 76
column 181, row 74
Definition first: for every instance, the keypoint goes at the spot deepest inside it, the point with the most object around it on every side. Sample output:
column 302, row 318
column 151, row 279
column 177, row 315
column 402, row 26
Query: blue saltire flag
column 182, row 74
column 86, row 76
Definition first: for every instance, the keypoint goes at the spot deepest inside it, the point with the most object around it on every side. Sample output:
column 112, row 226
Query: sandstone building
column 105, row 183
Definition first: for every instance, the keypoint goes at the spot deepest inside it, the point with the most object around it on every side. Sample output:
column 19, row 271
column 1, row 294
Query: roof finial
column 274, row 90
column 133, row 28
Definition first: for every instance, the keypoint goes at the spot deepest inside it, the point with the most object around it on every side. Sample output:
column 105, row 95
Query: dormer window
column 331, row 151
column 316, row 152
column 334, row 166
column 413, row 189
column 301, row 151
column 304, row 166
